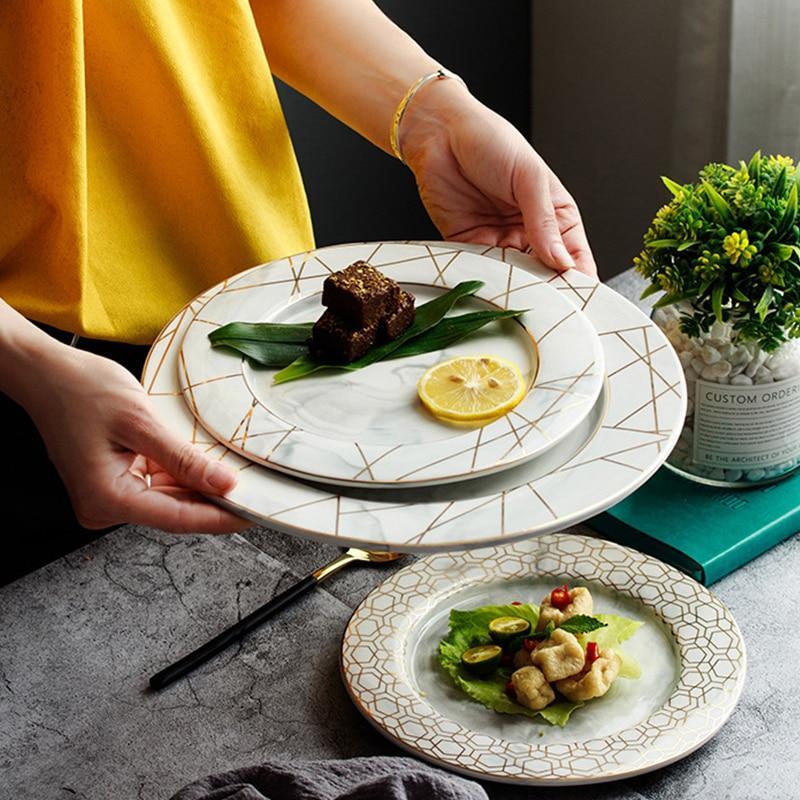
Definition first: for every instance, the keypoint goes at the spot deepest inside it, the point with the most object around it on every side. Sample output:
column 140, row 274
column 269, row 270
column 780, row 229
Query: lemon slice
column 471, row 387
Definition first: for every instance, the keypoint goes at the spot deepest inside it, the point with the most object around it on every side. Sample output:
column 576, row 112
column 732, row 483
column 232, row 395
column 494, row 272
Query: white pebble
column 756, row 363
column 685, row 357
column 733, row 475
column 742, row 356
column 755, row 474
column 727, row 351
column 698, row 365
column 763, row 375
column 741, row 380
column 784, row 370
column 736, row 369
column 717, row 474
column 710, row 355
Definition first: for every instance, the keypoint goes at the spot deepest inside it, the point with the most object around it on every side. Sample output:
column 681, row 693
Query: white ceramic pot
column 743, row 416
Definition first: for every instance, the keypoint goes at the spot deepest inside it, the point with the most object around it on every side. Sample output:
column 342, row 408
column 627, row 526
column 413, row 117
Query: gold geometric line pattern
column 558, row 324
column 370, row 464
column 430, row 258
column 367, row 465
column 542, row 500
column 709, row 651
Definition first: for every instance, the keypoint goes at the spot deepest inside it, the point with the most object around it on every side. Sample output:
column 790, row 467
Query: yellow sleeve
column 42, row 153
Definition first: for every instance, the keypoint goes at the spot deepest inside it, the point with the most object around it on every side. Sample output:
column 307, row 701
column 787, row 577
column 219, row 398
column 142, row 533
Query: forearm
column 24, row 349
column 349, row 58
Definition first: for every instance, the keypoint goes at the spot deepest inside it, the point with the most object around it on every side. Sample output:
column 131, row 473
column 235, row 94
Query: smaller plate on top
column 367, row 427
column 690, row 650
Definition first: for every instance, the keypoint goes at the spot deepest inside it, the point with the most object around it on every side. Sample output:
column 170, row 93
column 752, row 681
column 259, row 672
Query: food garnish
column 472, row 388
column 546, row 673
column 483, row 659
column 503, row 629
column 393, row 328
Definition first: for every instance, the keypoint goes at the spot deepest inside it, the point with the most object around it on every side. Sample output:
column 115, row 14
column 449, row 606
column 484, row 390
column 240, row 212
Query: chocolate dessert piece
column 333, row 340
column 395, row 323
column 360, row 295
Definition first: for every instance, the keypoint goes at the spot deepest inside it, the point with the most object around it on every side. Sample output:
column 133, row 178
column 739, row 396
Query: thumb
column 541, row 226
column 189, row 465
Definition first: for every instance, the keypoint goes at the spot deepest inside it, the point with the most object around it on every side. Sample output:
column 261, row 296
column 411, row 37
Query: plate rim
column 595, row 371
column 576, row 285
column 731, row 698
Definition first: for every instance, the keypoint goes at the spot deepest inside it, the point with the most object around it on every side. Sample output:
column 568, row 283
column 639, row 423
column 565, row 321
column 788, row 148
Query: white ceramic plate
column 625, row 438
column 690, row 649
column 368, row 427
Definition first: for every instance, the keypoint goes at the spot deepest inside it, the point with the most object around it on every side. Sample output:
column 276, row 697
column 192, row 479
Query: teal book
column 704, row 531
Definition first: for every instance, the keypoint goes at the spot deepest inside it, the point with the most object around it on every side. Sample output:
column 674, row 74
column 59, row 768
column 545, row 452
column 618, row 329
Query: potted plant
column 725, row 252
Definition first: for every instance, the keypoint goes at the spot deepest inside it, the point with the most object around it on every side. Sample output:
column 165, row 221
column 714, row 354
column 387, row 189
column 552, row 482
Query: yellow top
column 143, row 158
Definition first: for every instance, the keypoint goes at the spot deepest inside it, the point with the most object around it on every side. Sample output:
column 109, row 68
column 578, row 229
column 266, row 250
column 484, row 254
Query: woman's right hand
column 104, row 437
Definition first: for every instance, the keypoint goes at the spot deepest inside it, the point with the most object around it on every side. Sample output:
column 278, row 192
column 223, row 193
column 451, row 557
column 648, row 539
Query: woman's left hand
column 482, row 182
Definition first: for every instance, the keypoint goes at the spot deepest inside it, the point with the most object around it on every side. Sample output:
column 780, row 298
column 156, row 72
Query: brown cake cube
column 360, row 295
column 333, row 340
column 392, row 325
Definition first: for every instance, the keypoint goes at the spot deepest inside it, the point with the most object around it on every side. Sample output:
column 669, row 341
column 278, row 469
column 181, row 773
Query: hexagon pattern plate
column 367, row 427
column 690, row 649
column 619, row 444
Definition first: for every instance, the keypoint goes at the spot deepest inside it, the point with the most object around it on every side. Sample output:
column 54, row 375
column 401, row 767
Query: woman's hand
column 104, row 438
column 482, row 182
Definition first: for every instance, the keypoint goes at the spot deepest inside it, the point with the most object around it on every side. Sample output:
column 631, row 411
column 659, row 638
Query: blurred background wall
column 613, row 94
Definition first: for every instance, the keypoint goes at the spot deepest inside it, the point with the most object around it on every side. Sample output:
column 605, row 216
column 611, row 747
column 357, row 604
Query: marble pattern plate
column 619, row 444
column 367, row 427
column 690, row 650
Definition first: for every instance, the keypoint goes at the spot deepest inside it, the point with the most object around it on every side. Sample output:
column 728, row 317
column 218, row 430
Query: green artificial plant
column 730, row 245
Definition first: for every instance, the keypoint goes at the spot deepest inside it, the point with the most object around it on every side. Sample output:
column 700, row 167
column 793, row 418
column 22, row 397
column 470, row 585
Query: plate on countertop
column 367, row 427
column 624, row 439
column 690, row 650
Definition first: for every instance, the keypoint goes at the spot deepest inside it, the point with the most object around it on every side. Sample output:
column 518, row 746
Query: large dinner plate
column 367, row 427
column 690, row 650
column 619, row 444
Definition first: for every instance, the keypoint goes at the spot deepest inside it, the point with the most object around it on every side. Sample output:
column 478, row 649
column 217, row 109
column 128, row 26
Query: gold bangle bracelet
column 394, row 133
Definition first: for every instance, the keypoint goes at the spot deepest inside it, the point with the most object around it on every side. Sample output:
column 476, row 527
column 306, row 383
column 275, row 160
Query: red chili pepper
column 559, row 598
column 511, row 691
column 592, row 652
column 516, row 603
column 529, row 644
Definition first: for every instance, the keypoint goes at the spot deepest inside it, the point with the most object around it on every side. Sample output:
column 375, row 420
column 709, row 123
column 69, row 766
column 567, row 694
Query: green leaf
column 740, row 295
column 674, row 297
column 618, row 629
column 660, row 244
column 676, row 189
column 263, row 331
column 789, row 214
column 581, row 623
column 652, row 289
column 719, row 204
column 754, row 167
column 783, row 251
column 450, row 330
column 762, row 309
column 471, row 628
column 266, row 354
column 427, row 315
column 780, row 183
column 716, row 299
column 686, row 245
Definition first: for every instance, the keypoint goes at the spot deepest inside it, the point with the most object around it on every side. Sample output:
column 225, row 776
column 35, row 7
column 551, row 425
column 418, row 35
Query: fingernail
column 561, row 256
column 219, row 477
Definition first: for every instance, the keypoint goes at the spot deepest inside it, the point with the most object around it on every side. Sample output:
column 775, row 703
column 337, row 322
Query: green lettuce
column 471, row 628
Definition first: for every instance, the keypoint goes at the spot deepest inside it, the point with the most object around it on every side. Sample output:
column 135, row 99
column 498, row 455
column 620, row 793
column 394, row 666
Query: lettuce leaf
column 471, row 628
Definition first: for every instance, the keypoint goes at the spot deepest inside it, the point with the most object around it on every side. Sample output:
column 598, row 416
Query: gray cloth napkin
column 378, row 778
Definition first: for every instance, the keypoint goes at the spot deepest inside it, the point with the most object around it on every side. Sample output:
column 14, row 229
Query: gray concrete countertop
column 80, row 637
